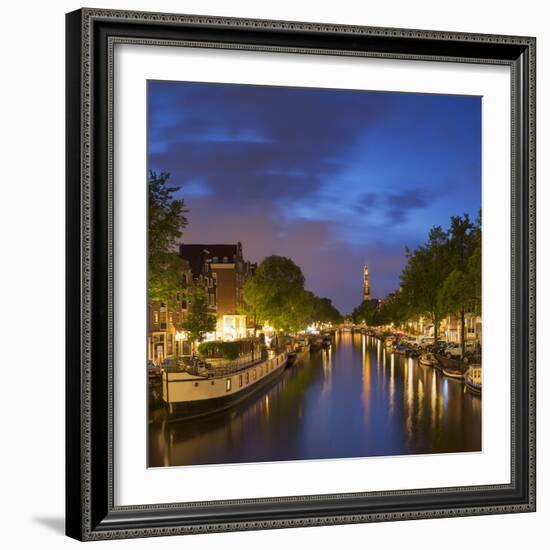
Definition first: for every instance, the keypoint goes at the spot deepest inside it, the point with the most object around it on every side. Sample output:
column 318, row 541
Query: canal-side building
column 201, row 273
column 225, row 264
column 164, row 335
column 451, row 328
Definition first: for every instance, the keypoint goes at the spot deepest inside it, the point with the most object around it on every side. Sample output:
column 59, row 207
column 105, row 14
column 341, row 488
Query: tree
column 276, row 292
column 252, row 294
column 454, row 292
column 298, row 313
column 165, row 224
column 424, row 275
column 365, row 312
column 199, row 320
column 463, row 284
column 395, row 309
column 474, row 278
column 324, row 311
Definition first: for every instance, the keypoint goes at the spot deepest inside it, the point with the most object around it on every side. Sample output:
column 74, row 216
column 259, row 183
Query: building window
column 254, row 374
column 247, row 377
column 228, row 384
column 240, row 380
column 225, row 259
column 156, row 317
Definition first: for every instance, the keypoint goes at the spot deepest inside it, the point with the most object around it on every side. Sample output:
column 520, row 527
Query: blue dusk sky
column 333, row 179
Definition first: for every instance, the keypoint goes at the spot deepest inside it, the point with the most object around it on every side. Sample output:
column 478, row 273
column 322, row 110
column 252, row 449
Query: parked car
column 153, row 369
column 437, row 347
column 425, row 341
column 171, row 364
column 455, row 350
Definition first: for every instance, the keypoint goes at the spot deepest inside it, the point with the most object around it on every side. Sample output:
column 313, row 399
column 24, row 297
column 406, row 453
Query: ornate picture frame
column 90, row 505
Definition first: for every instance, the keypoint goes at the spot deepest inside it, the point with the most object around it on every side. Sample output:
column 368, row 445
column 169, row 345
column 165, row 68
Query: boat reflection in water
column 354, row 398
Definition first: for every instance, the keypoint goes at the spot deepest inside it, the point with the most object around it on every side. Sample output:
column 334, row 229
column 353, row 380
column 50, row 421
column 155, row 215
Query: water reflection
column 355, row 399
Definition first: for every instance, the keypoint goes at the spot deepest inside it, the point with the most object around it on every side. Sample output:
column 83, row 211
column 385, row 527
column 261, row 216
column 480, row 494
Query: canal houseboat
column 301, row 349
column 452, row 368
column 327, row 341
column 315, row 343
column 473, row 378
column 428, row 360
column 453, row 372
column 190, row 394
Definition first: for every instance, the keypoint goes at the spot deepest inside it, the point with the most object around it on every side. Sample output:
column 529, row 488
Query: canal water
column 355, row 399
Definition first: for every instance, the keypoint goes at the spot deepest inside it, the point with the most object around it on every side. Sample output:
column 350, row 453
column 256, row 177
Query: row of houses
column 222, row 271
column 449, row 328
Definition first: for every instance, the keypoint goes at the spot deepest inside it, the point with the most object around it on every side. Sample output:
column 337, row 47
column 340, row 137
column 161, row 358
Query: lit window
column 240, row 380
column 228, row 384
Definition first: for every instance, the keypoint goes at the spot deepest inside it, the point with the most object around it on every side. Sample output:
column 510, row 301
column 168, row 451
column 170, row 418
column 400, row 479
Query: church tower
column 366, row 283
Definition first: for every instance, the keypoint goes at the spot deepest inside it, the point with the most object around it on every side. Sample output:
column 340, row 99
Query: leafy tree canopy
column 199, row 320
column 165, row 224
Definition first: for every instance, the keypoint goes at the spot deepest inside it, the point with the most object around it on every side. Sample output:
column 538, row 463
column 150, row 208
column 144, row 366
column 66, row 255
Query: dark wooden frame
column 90, row 510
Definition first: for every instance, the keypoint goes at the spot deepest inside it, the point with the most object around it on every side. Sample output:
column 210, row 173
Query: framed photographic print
column 300, row 274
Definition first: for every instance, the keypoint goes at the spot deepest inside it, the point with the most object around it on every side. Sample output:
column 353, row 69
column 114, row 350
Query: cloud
column 330, row 178
column 250, row 142
column 400, row 205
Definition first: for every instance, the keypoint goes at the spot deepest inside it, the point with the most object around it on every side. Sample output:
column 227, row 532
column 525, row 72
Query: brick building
column 164, row 336
column 225, row 264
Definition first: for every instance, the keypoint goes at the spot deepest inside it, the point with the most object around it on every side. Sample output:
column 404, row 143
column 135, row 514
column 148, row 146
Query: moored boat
column 453, row 368
column 190, row 394
column 315, row 343
column 452, row 372
column 473, row 378
column 291, row 358
column 428, row 360
column 302, row 349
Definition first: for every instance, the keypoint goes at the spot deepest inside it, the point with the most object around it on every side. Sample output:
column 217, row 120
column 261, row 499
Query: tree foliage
column 199, row 320
column 442, row 276
column 252, row 298
column 274, row 290
column 226, row 350
column 276, row 295
column 424, row 275
column 165, row 224
column 462, row 287
column 324, row 311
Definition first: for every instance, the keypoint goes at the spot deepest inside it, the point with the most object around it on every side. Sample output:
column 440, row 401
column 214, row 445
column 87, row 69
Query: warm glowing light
column 233, row 327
